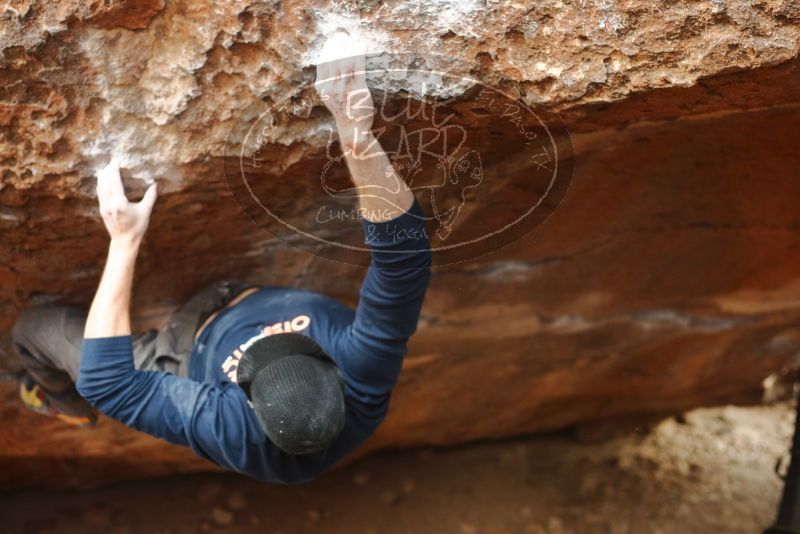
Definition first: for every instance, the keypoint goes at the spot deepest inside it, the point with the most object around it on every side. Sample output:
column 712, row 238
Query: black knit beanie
column 296, row 391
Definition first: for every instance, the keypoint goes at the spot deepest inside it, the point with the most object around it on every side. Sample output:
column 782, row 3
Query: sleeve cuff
column 406, row 231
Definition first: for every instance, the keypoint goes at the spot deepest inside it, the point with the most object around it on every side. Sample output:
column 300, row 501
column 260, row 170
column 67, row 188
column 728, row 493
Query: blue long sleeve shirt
column 209, row 412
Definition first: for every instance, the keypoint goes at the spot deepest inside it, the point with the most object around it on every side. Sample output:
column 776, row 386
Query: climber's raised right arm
column 394, row 288
column 342, row 86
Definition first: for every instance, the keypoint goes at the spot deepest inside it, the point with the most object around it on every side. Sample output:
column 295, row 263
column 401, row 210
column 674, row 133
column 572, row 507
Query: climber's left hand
column 125, row 221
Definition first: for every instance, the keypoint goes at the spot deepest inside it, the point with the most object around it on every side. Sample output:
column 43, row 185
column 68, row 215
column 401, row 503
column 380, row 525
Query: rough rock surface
column 667, row 278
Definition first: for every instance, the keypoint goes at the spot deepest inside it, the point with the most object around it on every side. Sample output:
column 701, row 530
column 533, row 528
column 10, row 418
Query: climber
column 274, row 382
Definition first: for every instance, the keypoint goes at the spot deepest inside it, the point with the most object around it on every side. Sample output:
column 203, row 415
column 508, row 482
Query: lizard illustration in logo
column 458, row 170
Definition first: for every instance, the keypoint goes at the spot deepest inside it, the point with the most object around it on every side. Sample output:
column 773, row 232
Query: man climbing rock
column 274, row 382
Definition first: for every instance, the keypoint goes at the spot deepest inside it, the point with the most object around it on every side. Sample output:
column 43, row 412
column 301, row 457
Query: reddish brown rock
column 133, row 15
column 666, row 279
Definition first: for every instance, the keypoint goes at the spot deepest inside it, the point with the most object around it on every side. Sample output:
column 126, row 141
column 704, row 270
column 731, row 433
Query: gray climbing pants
column 48, row 341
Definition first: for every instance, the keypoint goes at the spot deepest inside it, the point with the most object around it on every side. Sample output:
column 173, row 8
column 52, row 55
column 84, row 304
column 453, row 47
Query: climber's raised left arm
column 126, row 223
column 178, row 409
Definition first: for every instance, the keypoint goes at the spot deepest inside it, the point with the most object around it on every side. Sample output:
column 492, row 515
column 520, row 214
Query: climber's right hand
column 342, row 87
column 125, row 221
